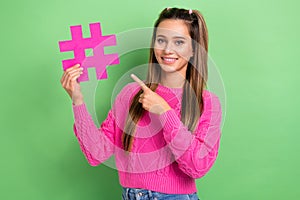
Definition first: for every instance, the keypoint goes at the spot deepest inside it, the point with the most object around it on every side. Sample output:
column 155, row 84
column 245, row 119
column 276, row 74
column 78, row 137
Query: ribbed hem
column 163, row 184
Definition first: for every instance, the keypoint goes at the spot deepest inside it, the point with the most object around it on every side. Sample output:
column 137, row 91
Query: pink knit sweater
column 166, row 157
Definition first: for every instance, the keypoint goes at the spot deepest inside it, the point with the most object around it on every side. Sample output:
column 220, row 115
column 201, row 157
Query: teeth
column 169, row 59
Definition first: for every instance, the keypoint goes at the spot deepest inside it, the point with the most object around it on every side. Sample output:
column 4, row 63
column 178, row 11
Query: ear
column 192, row 54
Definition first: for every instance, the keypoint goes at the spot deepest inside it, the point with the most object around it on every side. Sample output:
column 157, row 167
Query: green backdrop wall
column 254, row 44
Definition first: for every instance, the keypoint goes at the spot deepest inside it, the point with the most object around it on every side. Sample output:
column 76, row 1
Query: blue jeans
column 142, row 194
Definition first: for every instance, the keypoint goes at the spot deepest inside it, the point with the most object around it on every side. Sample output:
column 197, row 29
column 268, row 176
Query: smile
column 168, row 60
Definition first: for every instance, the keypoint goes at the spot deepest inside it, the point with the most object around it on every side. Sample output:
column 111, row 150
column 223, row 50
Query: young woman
column 164, row 132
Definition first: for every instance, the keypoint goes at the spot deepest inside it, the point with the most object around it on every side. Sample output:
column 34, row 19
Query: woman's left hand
column 150, row 100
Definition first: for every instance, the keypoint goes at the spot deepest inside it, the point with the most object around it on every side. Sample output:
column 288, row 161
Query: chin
column 167, row 68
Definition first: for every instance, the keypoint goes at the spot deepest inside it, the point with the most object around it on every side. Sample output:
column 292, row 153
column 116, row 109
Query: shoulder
column 212, row 111
column 208, row 94
column 129, row 90
column 124, row 97
column 210, row 100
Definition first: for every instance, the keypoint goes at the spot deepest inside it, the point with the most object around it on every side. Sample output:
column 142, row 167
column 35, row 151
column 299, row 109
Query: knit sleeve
column 97, row 144
column 195, row 152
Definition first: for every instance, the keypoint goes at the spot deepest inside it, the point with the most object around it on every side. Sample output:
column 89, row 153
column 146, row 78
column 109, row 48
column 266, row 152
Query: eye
column 160, row 40
column 179, row 42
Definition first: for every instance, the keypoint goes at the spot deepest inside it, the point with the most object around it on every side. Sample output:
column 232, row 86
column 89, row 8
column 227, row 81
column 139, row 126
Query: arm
column 195, row 153
column 96, row 144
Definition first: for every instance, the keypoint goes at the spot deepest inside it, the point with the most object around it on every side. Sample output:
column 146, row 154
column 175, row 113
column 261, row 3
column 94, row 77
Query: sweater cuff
column 170, row 120
column 80, row 111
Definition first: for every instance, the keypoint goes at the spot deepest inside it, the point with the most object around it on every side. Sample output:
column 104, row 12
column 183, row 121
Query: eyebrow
column 180, row 37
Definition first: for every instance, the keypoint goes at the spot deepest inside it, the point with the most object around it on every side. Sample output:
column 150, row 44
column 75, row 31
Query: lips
column 169, row 60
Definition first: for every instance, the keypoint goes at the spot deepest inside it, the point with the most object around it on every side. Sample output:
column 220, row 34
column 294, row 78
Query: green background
column 254, row 44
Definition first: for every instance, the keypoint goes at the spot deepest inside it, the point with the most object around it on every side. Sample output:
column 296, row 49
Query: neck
column 172, row 80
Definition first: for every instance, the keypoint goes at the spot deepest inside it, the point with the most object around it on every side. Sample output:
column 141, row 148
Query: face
column 173, row 46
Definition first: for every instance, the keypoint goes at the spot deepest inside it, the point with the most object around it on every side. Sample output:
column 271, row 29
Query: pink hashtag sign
column 97, row 42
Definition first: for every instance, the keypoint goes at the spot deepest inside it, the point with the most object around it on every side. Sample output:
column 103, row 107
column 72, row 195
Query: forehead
column 172, row 28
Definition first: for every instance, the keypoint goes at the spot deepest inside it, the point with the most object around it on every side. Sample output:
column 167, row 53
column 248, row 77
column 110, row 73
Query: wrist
column 77, row 102
column 165, row 109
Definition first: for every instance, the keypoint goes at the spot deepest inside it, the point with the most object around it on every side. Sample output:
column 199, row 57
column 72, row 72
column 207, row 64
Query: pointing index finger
column 139, row 81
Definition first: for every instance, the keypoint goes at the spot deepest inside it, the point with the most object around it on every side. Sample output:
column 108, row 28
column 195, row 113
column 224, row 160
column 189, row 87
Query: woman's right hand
column 70, row 84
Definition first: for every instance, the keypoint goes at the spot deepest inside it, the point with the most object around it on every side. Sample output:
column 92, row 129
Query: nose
column 168, row 48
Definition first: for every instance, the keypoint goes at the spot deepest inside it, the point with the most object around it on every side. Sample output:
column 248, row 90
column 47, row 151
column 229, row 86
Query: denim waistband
column 144, row 194
column 136, row 191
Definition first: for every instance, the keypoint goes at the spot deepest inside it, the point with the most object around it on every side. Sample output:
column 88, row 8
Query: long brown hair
column 196, row 74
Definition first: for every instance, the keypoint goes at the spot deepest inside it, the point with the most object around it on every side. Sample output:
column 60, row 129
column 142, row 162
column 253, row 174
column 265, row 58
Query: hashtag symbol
column 97, row 42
